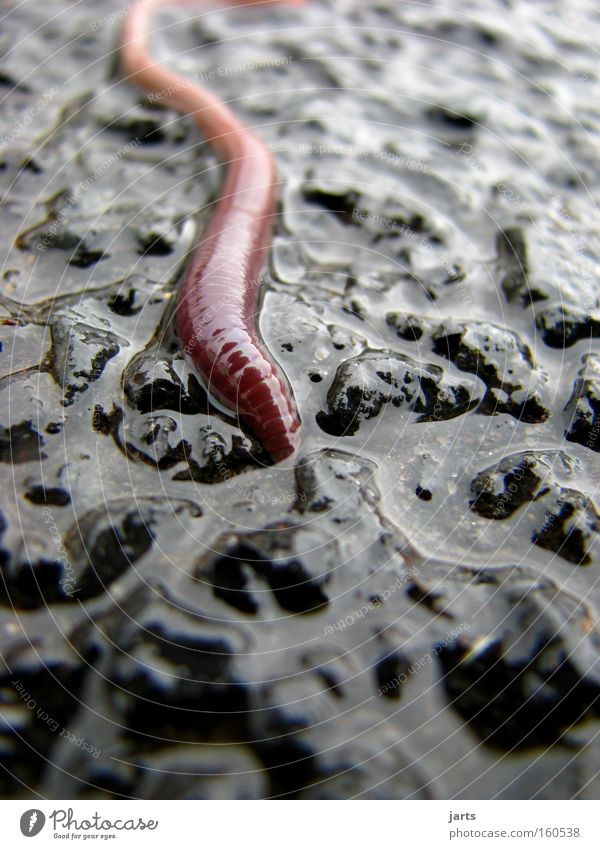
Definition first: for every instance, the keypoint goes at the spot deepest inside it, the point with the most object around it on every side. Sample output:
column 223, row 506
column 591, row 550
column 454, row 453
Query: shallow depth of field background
column 408, row 610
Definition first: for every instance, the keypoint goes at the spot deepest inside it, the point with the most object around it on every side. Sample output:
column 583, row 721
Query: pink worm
column 217, row 304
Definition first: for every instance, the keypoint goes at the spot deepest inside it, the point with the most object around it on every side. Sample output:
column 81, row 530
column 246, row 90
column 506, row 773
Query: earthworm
column 217, row 302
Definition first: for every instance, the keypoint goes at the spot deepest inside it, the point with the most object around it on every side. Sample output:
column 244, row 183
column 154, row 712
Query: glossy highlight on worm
column 217, row 303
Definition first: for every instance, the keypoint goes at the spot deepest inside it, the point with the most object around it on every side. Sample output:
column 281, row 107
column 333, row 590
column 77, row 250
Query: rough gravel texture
column 410, row 608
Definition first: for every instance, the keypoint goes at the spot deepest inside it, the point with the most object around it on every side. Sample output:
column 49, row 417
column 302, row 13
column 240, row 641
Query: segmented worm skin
column 217, row 304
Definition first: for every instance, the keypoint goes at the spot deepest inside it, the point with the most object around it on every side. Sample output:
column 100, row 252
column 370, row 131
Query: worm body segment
column 217, row 302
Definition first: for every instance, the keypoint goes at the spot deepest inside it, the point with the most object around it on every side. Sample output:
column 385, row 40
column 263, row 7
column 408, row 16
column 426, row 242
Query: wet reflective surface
column 409, row 608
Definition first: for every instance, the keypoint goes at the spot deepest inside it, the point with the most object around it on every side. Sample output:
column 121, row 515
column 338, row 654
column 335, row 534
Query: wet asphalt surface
column 409, row 608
